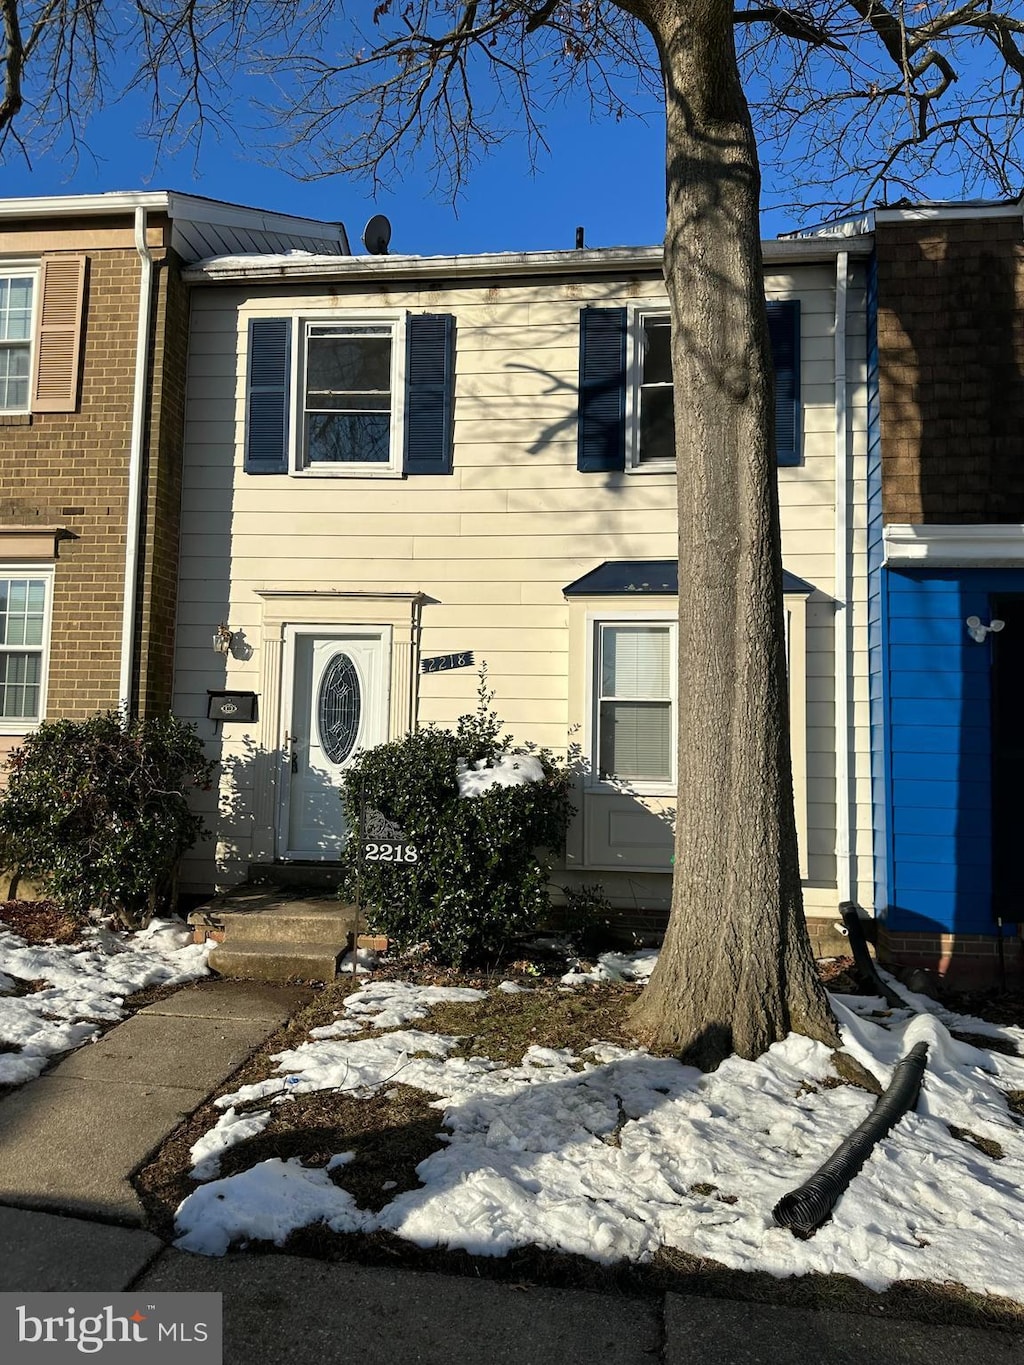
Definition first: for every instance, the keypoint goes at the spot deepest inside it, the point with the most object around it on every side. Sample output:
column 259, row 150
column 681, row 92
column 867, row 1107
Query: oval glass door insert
column 339, row 708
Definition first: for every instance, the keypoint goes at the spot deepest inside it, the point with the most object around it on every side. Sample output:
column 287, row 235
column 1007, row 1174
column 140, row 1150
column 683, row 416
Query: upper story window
column 24, row 607
column 627, row 402
column 17, row 292
column 347, row 407
column 654, row 428
column 350, row 396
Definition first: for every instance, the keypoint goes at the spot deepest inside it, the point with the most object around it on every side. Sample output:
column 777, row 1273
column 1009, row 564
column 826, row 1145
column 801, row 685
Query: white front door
column 336, row 705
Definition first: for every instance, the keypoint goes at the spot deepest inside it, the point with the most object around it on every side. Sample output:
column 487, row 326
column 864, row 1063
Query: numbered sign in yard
column 383, row 842
column 389, row 853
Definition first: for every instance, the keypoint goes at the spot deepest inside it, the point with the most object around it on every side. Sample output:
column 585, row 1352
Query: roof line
column 198, row 208
column 587, row 261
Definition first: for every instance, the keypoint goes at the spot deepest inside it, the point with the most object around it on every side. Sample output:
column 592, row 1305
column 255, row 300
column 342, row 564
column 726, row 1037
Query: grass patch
column 983, row 1144
column 502, row 1027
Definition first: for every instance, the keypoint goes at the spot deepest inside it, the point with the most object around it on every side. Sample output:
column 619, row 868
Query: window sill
column 599, row 787
column 355, row 472
column 655, row 467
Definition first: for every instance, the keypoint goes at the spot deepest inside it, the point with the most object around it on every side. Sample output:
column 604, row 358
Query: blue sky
column 606, row 176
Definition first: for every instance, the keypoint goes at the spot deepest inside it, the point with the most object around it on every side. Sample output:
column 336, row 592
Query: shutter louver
column 58, row 333
column 267, row 399
column 601, row 439
column 784, row 331
column 429, row 382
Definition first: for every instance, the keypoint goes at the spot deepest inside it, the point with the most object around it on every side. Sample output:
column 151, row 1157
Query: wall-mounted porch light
column 223, row 638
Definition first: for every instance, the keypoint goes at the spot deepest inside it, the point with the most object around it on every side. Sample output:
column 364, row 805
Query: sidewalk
column 70, row 1140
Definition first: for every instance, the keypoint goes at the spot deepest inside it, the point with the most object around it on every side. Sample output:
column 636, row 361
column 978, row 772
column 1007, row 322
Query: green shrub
column 482, row 873
column 96, row 811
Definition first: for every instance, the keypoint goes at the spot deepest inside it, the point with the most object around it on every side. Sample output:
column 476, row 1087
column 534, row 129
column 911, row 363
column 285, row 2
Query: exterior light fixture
column 223, row 638
column 977, row 631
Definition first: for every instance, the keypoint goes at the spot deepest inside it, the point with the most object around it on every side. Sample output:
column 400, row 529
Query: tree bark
column 736, row 972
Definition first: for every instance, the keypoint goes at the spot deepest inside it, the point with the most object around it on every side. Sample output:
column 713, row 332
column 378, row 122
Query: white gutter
column 589, row 261
column 841, row 622
column 135, row 456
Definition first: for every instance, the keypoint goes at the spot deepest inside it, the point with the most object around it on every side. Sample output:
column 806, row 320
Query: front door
column 337, row 705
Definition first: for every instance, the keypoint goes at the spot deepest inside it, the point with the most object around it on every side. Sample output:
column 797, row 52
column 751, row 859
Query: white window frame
column 634, row 382
column 595, row 620
column 298, row 465
column 22, row 270
column 23, row 725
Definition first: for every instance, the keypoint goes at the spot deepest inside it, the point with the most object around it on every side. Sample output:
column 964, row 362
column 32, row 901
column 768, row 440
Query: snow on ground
column 614, row 1153
column 85, row 982
column 615, row 967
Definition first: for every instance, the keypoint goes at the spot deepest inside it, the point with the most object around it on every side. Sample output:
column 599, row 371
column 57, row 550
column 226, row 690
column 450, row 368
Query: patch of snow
column 85, row 982
column 514, row 988
column 266, row 1203
column 230, row 1129
column 390, row 1004
column 509, row 770
column 366, row 962
column 636, row 966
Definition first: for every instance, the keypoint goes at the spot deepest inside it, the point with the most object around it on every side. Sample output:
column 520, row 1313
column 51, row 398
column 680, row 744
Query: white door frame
column 326, row 631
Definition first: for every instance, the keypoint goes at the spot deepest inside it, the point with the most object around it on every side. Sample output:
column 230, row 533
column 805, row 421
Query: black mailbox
column 231, row 706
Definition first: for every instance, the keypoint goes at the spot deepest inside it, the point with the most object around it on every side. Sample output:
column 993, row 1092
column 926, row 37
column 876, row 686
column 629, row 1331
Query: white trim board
column 953, row 546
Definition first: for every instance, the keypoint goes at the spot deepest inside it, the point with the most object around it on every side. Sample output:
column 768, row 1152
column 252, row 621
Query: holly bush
column 96, row 811
column 482, row 874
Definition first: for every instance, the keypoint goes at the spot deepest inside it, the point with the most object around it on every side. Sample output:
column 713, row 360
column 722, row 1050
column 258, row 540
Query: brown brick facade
column 951, row 370
column 71, row 470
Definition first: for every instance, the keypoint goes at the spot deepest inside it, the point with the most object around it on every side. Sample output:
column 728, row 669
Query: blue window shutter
column 601, row 438
column 784, row 331
column 430, row 377
column 268, row 398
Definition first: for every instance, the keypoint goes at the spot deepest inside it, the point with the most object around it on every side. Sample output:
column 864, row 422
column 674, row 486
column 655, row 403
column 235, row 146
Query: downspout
column 844, row 834
column 135, row 458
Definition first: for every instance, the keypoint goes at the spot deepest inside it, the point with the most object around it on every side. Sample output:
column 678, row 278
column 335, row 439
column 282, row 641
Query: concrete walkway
column 70, row 1140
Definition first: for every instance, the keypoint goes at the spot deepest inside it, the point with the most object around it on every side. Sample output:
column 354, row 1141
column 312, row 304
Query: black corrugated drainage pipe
column 864, row 962
column 805, row 1209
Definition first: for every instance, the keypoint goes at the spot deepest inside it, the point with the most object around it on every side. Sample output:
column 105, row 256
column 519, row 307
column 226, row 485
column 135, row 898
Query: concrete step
column 293, row 922
column 258, row 960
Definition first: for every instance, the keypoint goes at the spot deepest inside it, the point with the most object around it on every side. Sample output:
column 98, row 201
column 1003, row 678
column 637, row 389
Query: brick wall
column 951, row 370
column 162, row 514
column 72, row 469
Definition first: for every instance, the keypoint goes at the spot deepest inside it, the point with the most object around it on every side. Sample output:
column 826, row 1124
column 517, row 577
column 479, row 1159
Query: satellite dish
column 377, row 235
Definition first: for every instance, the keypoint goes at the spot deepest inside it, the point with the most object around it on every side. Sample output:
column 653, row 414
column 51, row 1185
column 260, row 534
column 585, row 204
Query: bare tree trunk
column 736, row 972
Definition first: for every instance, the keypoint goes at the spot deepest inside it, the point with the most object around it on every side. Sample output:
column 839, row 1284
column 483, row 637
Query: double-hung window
column 348, row 388
column 17, row 292
column 24, row 608
column 654, row 426
column 627, row 403
column 634, row 699
column 356, row 395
